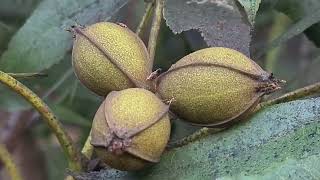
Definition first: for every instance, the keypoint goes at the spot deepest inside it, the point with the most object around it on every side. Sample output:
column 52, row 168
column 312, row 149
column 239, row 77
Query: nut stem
column 87, row 149
column 203, row 132
column 291, row 96
column 27, row 75
column 74, row 157
column 7, row 160
column 145, row 19
column 156, row 22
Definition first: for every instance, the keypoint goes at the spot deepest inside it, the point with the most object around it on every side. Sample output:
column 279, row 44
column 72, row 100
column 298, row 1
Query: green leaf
column 307, row 168
column 11, row 101
column 295, row 29
column 297, row 9
column 70, row 117
column 279, row 142
column 6, row 31
column 220, row 22
column 17, row 9
column 251, row 7
column 305, row 14
column 43, row 41
column 56, row 164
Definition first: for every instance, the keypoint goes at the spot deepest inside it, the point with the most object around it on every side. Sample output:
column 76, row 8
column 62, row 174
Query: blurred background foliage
column 282, row 36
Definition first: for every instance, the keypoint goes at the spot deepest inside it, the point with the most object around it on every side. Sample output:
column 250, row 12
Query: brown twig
column 294, row 95
column 73, row 155
column 156, row 22
column 11, row 167
column 203, row 132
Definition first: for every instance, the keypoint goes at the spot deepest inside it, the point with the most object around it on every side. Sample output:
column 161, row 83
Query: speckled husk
column 109, row 57
column 135, row 115
column 214, row 86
